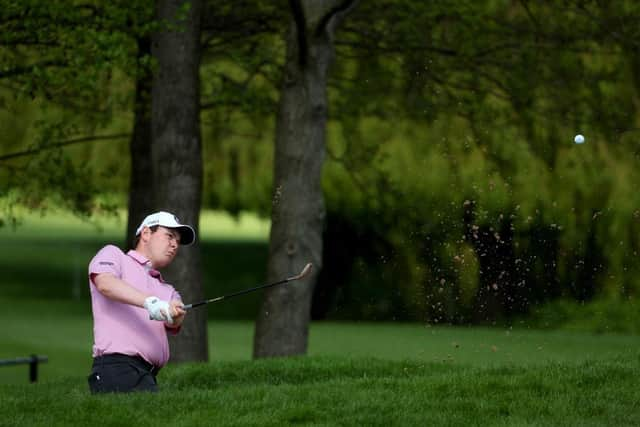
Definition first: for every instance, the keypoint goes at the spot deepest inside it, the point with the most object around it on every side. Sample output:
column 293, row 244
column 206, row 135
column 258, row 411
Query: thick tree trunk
column 298, row 205
column 177, row 155
column 141, row 192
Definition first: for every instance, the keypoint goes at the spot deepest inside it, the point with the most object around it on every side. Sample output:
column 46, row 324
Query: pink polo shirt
column 124, row 328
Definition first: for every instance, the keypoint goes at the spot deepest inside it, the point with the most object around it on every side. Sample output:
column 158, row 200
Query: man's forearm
column 177, row 314
column 118, row 290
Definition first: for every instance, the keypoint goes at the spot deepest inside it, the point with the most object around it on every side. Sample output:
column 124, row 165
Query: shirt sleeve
column 107, row 260
column 176, row 295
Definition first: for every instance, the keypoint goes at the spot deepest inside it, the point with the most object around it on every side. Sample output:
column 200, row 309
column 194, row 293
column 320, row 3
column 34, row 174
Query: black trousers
column 119, row 373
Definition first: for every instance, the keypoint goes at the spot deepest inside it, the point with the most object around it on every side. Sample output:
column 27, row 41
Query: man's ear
column 145, row 234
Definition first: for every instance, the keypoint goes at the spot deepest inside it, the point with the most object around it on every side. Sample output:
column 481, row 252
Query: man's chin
column 164, row 262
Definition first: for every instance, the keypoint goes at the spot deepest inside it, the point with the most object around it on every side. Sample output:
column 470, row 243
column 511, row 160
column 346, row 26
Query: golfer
column 133, row 308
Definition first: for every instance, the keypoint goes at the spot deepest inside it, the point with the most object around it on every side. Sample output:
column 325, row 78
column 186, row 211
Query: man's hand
column 177, row 311
column 159, row 309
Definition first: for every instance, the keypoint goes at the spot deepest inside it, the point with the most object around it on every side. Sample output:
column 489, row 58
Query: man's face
column 162, row 246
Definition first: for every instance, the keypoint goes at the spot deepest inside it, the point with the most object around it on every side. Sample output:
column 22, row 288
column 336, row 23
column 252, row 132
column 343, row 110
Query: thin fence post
column 32, row 361
column 33, row 369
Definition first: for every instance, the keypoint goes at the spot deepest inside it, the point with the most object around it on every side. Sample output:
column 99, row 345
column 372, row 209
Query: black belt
column 125, row 358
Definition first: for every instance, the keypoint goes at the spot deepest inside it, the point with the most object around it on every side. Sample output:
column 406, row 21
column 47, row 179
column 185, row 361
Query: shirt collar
column 146, row 263
column 138, row 257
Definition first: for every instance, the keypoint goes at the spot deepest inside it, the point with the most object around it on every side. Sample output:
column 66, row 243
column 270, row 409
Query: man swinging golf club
column 133, row 308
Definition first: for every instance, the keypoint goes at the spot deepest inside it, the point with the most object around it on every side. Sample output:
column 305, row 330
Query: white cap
column 166, row 219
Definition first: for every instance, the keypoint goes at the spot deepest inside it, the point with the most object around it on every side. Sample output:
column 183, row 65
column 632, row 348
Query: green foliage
column 72, row 179
column 426, row 187
column 65, row 52
column 238, row 161
column 243, row 53
column 603, row 316
column 437, row 109
column 484, row 98
column 61, row 62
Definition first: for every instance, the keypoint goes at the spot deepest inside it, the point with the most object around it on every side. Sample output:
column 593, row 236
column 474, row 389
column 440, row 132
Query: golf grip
column 302, row 274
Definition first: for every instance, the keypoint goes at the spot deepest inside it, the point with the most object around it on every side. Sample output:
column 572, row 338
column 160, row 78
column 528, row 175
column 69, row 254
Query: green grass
column 62, row 331
column 330, row 391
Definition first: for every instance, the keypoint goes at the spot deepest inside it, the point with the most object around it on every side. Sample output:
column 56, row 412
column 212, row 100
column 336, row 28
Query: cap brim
column 187, row 235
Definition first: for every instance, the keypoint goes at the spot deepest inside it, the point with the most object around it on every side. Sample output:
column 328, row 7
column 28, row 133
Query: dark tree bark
column 177, row 155
column 298, row 209
column 141, row 192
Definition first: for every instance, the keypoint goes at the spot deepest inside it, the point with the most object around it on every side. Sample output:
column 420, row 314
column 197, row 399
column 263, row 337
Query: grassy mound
column 346, row 391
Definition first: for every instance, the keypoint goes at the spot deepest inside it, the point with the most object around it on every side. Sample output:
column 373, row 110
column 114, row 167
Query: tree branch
column 16, row 71
column 62, row 144
column 301, row 30
column 342, row 7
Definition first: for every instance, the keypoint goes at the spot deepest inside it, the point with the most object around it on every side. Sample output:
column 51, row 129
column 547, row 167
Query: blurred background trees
column 452, row 186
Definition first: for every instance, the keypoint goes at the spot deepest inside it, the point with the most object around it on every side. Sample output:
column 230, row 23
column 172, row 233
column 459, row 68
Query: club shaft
column 305, row 271
column 235, row 294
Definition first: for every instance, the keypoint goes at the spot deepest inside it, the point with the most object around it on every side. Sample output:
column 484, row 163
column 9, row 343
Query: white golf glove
column 158, row 309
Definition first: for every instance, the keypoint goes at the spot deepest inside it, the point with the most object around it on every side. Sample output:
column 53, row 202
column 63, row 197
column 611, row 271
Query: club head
column 305, row 271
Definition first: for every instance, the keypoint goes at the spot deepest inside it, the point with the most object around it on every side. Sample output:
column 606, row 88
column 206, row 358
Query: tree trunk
column 177, row 156
column 298, row 211
column 141, row 192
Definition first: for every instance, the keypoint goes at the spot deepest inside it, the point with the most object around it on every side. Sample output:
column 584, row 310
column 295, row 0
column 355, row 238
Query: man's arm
column 118, row 290
column 177, row 313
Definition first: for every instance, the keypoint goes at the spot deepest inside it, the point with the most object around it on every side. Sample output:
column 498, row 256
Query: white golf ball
column 578, row 139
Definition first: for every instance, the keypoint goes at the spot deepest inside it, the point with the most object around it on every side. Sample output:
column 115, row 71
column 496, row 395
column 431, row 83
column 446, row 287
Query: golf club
column 303, row 273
